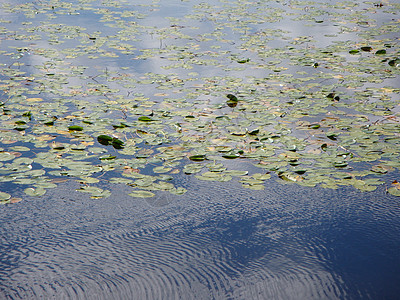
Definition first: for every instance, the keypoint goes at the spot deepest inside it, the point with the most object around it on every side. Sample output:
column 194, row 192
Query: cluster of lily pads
column 140, row 103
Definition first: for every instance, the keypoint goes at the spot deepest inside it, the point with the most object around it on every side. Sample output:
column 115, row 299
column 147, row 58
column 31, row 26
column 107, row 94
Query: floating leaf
column 394, row 62
column 141, row 194
column 236, row 172
column 109, row 140
column 314, row 126
column 381, row 169
column 213, row 176
column 299, row 171
column 380, row 52
column 366, row 48
column 35, row 192
column 4, row 196
column 105, row 139
column 4, row 156
column 14, row 200
column 107, row 157
column 254, row 132
column 199, row 157
column 75, row 128
column 243, row 61
column 145, row 119
column 256, row 187
column 332, row 135
column 192, row 168
column 340, row 164
column 178, row 191
column 161, row 169
column 95, row 192
column 121, row 125
column 88, row 180
column 331, row 95
column 394, row 191
column 33, row 99
column 117, row 143
column 290, row 177
column 231, row 155
column 233, row 100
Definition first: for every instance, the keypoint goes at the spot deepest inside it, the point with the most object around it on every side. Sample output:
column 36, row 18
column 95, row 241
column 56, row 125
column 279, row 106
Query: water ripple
column 215, row 244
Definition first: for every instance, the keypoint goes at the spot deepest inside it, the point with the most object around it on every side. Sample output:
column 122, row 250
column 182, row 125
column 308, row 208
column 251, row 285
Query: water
column 213, row 243
column 219, row 240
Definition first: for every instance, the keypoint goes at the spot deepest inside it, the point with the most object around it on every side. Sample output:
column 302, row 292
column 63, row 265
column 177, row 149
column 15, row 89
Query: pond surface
column 211, row 243
column 199, row 150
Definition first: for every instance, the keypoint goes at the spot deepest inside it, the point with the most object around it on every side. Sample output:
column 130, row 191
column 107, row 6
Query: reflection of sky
column 217, row 241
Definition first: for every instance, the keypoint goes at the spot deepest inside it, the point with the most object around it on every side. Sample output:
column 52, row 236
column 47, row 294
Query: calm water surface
column 217, row 241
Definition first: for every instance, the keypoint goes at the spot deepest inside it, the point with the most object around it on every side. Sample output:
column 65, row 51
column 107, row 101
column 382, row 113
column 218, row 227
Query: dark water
column 216, row 242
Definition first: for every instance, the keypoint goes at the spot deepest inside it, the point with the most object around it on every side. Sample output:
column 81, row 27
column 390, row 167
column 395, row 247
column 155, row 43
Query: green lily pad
column 109, row 140
column 105, row 139
column 231, row 155
column 274, row 111
column 161, row 169
column 243, row 61
column 394, row 191
column 145, row 119
column 4, row 156
column 366, row 48
column 236, row 172
column 394, row 62
column 199, row 157
column 192, row 168
column 75, row 128
column 35, row 192
column 141, row 194
column 107, row 157
column 4, row 196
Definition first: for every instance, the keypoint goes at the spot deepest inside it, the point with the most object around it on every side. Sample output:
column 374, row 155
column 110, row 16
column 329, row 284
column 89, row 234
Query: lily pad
column 75, row 128
column 4, row 196
column 35, row 192
column 199, row 157
column 105, row 139
column 145, row 119
column 394, row 191
column 141, row 194
column 366, row 48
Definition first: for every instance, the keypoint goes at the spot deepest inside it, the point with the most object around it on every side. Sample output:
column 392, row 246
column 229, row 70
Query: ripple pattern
column 215, row 244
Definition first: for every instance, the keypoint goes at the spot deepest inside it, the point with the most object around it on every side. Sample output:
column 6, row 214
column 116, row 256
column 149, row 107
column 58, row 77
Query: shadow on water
column 218, row 241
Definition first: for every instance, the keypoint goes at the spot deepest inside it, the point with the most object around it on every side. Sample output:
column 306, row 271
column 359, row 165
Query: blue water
column 216, row 242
